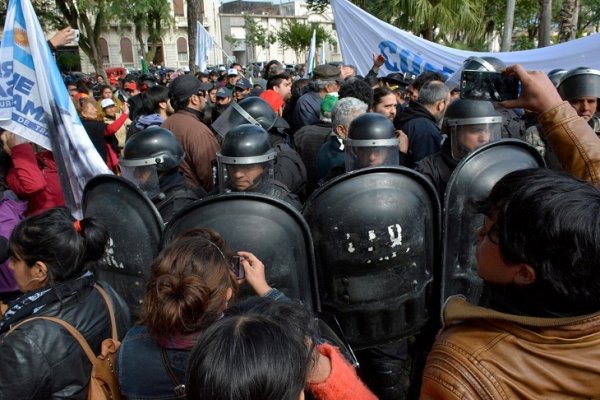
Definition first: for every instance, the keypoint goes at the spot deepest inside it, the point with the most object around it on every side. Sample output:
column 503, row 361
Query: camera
column 237, row 267
column 490, row 86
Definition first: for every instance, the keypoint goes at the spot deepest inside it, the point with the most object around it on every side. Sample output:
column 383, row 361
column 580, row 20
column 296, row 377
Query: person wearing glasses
column 188, row 99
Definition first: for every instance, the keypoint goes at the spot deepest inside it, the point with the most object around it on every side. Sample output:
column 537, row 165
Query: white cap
column 107, row 103
column 232, row 71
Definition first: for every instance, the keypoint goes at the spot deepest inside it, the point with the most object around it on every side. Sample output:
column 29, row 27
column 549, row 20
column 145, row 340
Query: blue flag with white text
column 35, row 104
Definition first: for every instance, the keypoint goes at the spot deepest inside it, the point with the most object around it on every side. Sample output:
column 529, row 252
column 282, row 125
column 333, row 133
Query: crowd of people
column 218, row 132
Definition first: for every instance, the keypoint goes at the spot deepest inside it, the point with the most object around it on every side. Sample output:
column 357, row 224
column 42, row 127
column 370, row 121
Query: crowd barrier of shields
column 373, row 254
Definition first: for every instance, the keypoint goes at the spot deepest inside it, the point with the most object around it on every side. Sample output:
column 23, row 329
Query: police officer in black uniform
column 467, row 124
column 246, row 164
column 151, row 160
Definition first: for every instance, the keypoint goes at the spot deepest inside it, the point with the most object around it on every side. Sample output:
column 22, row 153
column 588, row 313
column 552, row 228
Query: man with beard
column 198, row 142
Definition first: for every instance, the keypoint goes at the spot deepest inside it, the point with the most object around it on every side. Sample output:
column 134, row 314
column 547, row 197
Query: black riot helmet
column 246, row 160
column 556, row 75
column 251, row 110
column 580, row 82
column 470, row 124
column 371, row 142
column 487, row 63
column 152, row 151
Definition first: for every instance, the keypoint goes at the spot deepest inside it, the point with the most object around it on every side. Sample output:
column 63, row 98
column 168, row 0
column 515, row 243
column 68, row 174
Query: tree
column 567, row 27
column 151, row 15
column 545, row 22
column 256, row 35
column 193, row 15
column 296, row 36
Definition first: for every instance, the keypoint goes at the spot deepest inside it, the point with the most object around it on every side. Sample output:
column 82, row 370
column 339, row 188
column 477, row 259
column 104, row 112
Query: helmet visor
column 233, row 116
column 466, row 138
column 360, row 156
column 252, row 177
column 144, row 177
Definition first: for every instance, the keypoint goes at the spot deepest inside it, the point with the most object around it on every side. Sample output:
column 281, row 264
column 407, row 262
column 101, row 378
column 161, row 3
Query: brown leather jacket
column 573, row 141
column 486, row 354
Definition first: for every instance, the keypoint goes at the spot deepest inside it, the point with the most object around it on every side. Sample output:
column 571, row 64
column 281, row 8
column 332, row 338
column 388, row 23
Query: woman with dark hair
column 51, row 256
column 248, row 357
column 189, row 287
column 330, row 376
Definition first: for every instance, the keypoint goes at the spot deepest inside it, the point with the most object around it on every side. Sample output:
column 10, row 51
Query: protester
column 32, row 176
column 156, row 109
column 190, row 286
column 537, row 252
column 52, row 254
column 111, row 115
column 198, row 142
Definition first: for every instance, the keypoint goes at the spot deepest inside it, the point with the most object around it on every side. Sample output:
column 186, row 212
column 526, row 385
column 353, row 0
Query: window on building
column 178, row 8
column 104, row 51
column 126, row 51
column 182, row 50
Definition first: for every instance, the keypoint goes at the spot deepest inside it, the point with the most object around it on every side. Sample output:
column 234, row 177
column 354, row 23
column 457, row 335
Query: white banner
column 35, row 104
column 204, row 42
column 361, row 35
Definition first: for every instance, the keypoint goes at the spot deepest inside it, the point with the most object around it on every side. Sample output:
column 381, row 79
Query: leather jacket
column 485, row 354
column 573, row 141
column 41, row 360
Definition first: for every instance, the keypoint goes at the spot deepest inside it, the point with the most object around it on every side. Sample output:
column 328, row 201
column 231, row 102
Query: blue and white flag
column 35, row 104
column 204, row 42
column 312, row 54
column 361, row 34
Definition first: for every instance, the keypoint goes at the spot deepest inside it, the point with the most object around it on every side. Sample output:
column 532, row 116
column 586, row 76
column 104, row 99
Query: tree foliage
column 296, row 36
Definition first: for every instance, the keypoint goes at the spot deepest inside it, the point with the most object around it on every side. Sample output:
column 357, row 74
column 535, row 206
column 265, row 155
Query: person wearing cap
column 199, row 143
column 243, row 87
column 224, row 97
column 233, row 75
column 327, row 79
column 111, row 115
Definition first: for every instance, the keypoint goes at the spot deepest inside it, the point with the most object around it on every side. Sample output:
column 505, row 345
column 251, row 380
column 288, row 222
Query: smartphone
column 237, row 267
column 490, row 86
column 76, row 37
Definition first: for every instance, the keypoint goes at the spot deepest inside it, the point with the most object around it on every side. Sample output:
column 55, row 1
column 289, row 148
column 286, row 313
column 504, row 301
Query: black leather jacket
column 41, row 360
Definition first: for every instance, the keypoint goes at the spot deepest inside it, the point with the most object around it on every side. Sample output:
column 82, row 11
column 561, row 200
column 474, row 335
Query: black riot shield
column 270, row 228
column 473, row 179
column 376, row 233
column 135, row 229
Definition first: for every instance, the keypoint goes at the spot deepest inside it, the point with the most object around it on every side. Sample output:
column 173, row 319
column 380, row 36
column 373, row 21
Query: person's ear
column 163, row 104
column 229, row 294
column 40, row 271
column 524, row 275
column 341, row 130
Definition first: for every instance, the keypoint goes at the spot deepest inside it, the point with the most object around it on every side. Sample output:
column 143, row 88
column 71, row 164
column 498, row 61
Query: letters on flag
column 361, row 35
column 35, row 104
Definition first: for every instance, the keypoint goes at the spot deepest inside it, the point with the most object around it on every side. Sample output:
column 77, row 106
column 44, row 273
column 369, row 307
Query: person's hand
column 125, row 108
column 378, row 61
column 255, row 272
column 320, row 370
column 403, row 144
column 538, row 93
column 62, row 37
column 10, row 140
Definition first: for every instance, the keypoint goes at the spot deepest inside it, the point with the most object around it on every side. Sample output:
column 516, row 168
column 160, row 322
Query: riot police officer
column 581, row 88
column 467, row 124
column 246, row 164
column 371, row 142
column 151, row 160
column 289, row 168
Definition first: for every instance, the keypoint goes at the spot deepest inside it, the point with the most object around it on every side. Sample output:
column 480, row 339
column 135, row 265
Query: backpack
column 104, row 384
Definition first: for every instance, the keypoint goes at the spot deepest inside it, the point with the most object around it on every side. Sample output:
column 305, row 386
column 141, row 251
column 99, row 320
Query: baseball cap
column 105, row 103
column 184, row 87
column 243, row 84
column 232, row 71
column 206, row 86
column 223, row 92
column 130, row 85
column 222, row 68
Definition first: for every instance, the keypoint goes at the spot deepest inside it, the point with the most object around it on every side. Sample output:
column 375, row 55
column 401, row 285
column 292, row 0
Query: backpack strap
column 111, row 310
column 74, row 332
